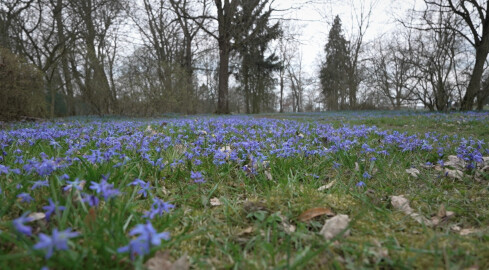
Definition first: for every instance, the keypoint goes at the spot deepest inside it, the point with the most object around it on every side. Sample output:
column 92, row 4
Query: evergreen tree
column 333, row 74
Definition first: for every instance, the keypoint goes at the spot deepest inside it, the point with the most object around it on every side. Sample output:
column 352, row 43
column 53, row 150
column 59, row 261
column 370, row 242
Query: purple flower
column 366, row 175
column 147, row 237
column 360, row 184
column 40, row 183
column 19, row 224
column 58, row 241
column 158, row 208
column 51, row 208
column 107, row 190
column 92, row 200
column 25, row 197
column 197, row 177
column 77, row 184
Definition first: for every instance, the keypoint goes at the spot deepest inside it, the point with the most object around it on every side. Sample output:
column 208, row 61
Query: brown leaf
column 315, row 212
column 246, row 231
column 268, row 175
column 413, row 172
column 161, row 261
column 469, row 231
column 402, row 204
column 454, row 174
column 334, row 226
column 327, row 186
column 215, row 202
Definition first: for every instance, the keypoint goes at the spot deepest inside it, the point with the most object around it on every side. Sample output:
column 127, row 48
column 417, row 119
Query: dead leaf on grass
column 36, row 216
column 454, row 174
column 327, row 186
column 246, row 231
column 334, row 226
column 315, row 212
column 268, row 174
column 357, row 167
column 402, row 204
column 161, row 261
column 469, row 231
column 413, row 172
column 441, row 216
column 288, row 228
column 215, row 202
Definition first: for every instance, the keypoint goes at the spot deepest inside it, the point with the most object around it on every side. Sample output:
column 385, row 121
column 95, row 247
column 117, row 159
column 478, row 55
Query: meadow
column 407, row 189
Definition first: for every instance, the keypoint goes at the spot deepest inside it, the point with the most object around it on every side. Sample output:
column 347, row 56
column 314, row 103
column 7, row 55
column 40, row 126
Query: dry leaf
column 441, row 216
column 215, row 202
column 454, row 174
column 36, row 216
column 402, row 204
column 357, row 167
column 327, row 186
column 469, row 231
column 161, row 262
column 246, row 231
column 268, row 175
column 413, row 172
column 455, row 162
column 335, row 225
column 288, row 228
column 315, row 212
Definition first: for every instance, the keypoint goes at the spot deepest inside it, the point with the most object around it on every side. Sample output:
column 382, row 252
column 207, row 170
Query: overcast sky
column 316, row 16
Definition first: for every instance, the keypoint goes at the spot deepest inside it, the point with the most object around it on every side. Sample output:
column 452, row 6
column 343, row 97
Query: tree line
column 150, row 57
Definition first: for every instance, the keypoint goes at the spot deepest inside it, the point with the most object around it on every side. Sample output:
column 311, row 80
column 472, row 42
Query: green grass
column 213, row 236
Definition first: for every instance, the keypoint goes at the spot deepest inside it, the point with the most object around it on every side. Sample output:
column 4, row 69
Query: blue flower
column 25, row 197
column 197, row 177
column 147, row 238
column 40, row 183
column 19, row 224
column 366, row 175
column 58, row 241
column 77, row 184
column 158, row 208
column 361, row 184
column 107, row 190
column 51, row 208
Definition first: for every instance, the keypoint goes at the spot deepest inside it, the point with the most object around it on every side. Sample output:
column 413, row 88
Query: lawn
column 247, row 192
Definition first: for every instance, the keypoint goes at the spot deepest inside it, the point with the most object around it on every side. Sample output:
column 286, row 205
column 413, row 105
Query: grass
column 251, row 228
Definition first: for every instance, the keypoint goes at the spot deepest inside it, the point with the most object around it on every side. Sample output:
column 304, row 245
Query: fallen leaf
column 315, row 212
column 246, row 231
column 268, row 175
column 469, row 231
column 441, row 216
column 181, row 264
column 334, row 226
column 357, row 167
column 161, row 261
column 402, row 204
column 327, row 186
column 215, row 202
column 413, row 172
column 454, row 174
column 36, row 216
column 455, row 162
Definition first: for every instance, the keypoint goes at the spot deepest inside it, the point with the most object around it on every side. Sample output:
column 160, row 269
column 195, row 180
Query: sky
column 315, row 17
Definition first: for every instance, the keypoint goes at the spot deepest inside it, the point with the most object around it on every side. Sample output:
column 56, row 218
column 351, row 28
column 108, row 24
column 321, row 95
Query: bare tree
column 475, row 31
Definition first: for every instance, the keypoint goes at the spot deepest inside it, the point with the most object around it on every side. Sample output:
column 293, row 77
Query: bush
column 21, row 88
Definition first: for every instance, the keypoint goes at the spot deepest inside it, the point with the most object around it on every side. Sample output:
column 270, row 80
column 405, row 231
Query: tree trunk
column 475, row 79
column 222, row 98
